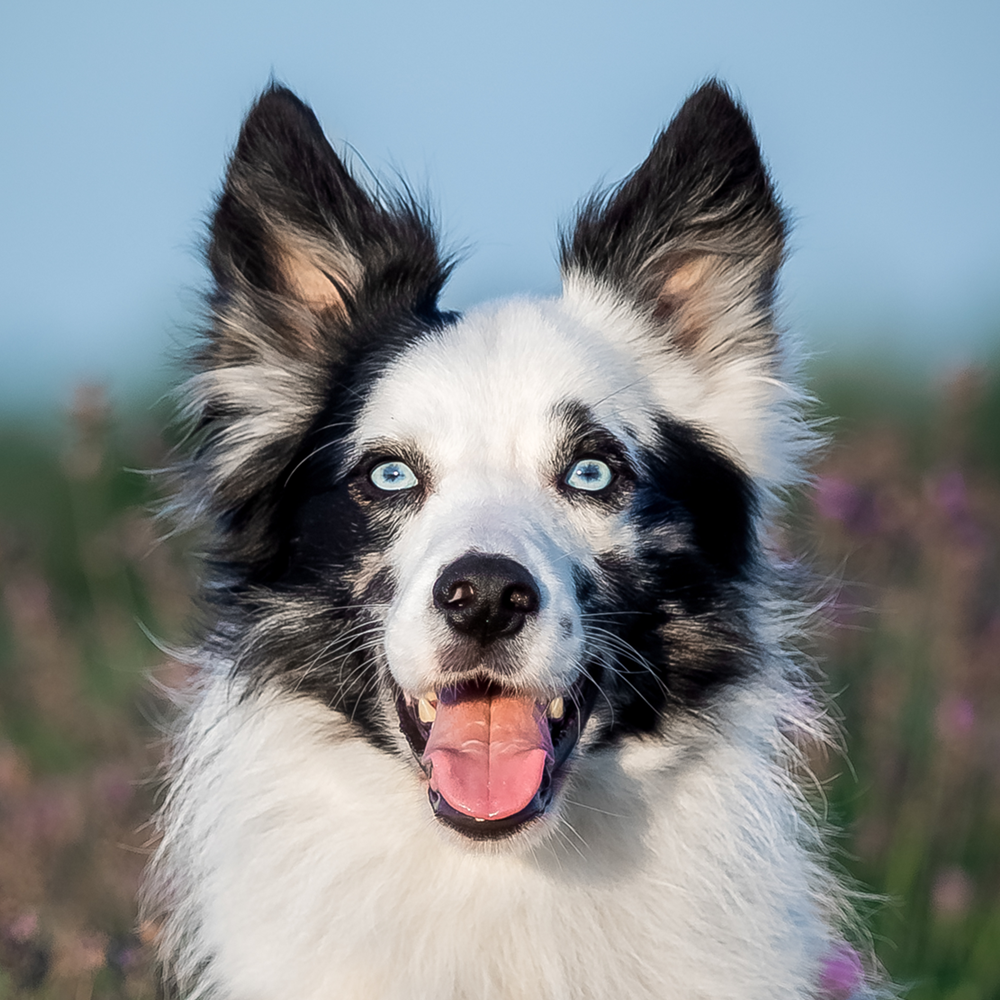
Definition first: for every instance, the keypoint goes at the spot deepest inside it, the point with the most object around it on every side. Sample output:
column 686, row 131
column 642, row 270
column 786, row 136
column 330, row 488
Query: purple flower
column 952, row 892
column 839, row 500
column 951, row 495
column 124, row 956
column 114, row 786
column 24, row 927
column 955, row 717
column 835, row 498
column 842, row 973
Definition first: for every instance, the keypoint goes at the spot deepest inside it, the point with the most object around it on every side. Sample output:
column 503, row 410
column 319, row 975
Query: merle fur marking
column 388, row 783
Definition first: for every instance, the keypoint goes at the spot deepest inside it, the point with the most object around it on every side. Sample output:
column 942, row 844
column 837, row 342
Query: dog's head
column 495, row 541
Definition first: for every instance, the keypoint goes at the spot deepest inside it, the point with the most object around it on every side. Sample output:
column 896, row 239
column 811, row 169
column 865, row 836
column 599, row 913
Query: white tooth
column 557, row 708
column 426, row 709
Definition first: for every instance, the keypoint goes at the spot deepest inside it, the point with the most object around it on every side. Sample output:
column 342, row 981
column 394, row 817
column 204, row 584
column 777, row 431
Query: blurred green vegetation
column 903, row 523
column 905, row 519
column 82, row 575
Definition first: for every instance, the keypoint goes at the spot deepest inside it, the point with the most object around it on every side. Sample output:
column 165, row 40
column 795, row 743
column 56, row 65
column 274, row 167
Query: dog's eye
column 590, row 474
column 392, row 476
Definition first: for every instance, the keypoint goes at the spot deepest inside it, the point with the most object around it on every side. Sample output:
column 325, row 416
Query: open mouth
column 494, row 757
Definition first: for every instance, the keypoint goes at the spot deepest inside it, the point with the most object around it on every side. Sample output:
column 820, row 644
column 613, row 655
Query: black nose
column 486, row 597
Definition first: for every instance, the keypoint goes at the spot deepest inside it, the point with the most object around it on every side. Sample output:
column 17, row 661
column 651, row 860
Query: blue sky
column 881, row 122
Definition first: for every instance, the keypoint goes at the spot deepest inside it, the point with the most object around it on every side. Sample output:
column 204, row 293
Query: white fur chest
column 304, row 863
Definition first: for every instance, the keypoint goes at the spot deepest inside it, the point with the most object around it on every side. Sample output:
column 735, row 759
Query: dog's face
column 494, row 542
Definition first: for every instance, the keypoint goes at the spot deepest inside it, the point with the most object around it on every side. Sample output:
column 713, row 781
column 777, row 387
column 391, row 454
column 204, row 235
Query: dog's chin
column 495, row 758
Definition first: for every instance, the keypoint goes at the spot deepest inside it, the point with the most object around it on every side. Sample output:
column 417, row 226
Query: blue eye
column 393, row 476
column 590, row 474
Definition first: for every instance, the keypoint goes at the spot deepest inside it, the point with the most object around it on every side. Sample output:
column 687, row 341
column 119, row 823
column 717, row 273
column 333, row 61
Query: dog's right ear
column 309, row 270
column 301, row 254
column 694, row 237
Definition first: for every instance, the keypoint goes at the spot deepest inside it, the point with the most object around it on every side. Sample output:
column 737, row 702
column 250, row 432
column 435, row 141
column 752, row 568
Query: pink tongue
column 487, row 753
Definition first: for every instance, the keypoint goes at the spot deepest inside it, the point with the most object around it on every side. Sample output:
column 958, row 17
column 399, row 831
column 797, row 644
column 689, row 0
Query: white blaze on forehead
column 488, row 388
column 480, row 402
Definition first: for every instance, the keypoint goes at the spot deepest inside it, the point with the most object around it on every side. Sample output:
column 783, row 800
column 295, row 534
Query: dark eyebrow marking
column 577, row 418
column 583, row 436
column 582, row 433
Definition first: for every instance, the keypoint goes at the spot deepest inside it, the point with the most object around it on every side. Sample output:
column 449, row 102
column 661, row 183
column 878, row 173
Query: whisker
column 565, row 824
column 609, row 614
column 608, row 642
column 629, row 385
column 584, row 805
column 590, row 677
column 364, row 630
column 312, row 454
column 364, row 691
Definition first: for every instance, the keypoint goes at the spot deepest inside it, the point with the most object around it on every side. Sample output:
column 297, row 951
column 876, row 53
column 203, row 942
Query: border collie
column 496, row 696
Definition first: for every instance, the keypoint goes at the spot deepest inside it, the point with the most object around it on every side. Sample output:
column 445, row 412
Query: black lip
column 493, row 829
column 565, row 732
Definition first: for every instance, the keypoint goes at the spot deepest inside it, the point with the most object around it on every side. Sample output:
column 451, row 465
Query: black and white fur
column 675, row 858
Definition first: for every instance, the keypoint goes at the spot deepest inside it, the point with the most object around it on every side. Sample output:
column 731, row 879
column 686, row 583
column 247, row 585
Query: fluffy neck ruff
column 679, row 866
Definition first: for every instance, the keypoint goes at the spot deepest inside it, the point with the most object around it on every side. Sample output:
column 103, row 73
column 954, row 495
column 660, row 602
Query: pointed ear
column 308, row 269
column 300, row 249
column 695, row 236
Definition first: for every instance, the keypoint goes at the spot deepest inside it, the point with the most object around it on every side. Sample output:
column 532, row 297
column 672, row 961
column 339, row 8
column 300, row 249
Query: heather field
column 902, row 529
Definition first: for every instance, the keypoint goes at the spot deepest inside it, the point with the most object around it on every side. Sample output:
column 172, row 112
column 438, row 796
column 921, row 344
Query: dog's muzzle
column 494, row 754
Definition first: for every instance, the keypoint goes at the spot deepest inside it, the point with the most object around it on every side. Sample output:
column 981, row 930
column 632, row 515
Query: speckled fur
column 299, row 856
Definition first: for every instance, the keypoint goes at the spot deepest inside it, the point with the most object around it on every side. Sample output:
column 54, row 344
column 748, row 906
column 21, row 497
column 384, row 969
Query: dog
column 497, row 694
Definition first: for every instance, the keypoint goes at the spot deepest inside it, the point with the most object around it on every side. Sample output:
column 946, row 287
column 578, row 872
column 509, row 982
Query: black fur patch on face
column 308, row 610
column 258, row 544
column 318, row 286
column 317, row 283
column 674, row 617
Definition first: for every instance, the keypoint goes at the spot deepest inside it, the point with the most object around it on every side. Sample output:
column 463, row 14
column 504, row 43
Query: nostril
column 460, row 594
column 485, row 596
column 520, row 598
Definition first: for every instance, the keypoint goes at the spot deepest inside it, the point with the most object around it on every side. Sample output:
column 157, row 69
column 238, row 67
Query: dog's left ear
column 695, row 236
column 691, row 244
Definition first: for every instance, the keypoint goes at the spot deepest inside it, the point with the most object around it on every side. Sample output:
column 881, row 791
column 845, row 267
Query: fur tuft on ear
column 690, row 244
column 695, row 232
column 310, row 270
column 296, row 235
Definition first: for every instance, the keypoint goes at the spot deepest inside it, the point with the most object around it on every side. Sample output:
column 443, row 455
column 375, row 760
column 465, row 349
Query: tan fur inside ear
column 311, row 283
column 685, row 299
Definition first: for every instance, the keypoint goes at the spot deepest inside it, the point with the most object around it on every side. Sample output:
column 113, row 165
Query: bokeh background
column 881, row 122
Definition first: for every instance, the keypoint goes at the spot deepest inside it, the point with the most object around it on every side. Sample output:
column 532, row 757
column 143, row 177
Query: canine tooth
column 427, row 709
column 557, row 708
